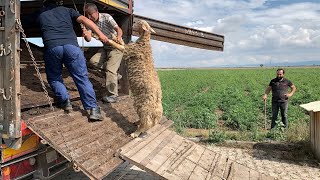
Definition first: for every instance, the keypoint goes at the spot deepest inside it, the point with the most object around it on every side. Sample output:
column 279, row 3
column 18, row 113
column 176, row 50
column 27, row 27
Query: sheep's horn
column 114, row 38
column 151, row 30
column 116, row 45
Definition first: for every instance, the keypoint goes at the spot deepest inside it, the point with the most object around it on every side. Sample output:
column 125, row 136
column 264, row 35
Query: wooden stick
column 116, row 45
column 265, row 114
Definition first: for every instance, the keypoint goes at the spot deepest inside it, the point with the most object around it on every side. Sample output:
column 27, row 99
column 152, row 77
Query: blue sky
column 256, row 31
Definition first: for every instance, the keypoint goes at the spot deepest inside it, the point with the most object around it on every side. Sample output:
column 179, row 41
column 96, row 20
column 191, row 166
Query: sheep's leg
column 145, row 124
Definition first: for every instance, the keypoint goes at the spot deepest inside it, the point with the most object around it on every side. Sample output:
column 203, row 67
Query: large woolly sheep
column 143, row 79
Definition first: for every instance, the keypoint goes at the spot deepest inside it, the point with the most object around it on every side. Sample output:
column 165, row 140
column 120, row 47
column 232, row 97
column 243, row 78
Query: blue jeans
column 73, row 59
column 283, row 106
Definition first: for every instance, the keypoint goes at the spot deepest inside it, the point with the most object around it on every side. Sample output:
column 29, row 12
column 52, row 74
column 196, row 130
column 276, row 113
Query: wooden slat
column 157, row 149
column 220, row 166
column 146, row 150
column 183, row 171
column 166, row 152
column 229, row 170
column 130, row 151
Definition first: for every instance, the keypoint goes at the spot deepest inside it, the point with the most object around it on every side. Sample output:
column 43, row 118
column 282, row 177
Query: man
column 61, row 47
column 280, row 96
column 107, row 58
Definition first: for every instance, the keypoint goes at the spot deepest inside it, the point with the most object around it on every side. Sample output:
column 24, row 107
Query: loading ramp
column 97, row 148
column 167, row 155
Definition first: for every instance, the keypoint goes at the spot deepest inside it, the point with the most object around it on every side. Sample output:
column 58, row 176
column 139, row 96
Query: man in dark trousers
column 61, row 47
column 280, row 96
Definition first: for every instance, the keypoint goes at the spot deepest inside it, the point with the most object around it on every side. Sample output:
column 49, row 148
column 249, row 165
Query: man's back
column 56, row 24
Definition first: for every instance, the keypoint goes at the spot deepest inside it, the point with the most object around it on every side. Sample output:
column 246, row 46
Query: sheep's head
column 142, row 26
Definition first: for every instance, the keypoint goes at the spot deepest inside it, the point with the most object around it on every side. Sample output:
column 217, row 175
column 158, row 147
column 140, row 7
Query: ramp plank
column 170, row 156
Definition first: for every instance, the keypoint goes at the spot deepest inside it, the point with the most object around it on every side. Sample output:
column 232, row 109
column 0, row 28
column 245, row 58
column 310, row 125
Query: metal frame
column 10, row 115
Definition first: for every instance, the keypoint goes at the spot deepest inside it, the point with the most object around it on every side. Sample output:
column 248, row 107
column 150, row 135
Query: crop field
column 228, row 102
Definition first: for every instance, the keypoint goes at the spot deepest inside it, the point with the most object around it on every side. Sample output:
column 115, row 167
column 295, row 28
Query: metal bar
column 176, row 34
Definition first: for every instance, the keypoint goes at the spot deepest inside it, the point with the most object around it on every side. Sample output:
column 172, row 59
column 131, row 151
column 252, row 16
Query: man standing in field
column 108, row 57
column 280, row 96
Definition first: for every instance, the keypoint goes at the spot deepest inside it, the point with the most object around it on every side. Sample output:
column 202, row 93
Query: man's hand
column 86, row 34
column 264, row 97
column 288, row 95
column 104, row 39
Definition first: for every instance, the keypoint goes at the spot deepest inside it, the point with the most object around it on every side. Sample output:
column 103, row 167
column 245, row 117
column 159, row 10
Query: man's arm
column 88, row 23
column 119, row 33
column 264, row 97
column 293, row 89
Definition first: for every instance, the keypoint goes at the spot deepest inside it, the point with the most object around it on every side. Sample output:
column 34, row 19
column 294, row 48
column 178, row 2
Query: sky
column 255, row 31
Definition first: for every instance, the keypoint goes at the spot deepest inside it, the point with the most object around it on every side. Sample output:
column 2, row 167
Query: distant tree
column 261, row 65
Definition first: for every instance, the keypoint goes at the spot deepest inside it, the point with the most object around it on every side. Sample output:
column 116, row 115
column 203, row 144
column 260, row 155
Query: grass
column 228, row 102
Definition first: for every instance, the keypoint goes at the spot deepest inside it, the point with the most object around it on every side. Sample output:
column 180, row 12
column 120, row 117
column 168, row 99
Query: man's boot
column 66, row 105
column 110, row 99
column 95, row 114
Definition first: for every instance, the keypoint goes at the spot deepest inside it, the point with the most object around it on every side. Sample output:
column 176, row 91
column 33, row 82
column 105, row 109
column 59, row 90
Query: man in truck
column 61, row 47
column 107, row 58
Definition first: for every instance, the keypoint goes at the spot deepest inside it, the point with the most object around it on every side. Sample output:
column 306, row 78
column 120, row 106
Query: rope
column 82, row 26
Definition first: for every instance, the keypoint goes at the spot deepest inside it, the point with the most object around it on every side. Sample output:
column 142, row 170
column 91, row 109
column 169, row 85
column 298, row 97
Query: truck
column 37, row 142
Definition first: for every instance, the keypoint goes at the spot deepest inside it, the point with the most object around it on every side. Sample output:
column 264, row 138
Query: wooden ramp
column 169, row 156
column 91, row 146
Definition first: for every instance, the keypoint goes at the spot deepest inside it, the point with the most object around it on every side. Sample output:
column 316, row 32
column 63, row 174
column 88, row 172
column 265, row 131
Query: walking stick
column 265, row 114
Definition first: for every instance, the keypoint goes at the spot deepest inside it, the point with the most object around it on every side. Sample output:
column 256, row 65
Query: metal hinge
column 2, row 91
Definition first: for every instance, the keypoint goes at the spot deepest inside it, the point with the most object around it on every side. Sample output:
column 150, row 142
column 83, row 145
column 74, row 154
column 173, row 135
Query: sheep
column 143, row 79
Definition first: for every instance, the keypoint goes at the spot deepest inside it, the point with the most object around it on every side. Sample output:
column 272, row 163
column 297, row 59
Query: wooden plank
column 207, row 159
column 148, row 148
column 312, row 130
column 131, row 151
column 182, row 171
column 220, row 166
column 199, row 173
column 159, row 148
column 166, row 152
column 229, row 170
column 176, row 158
column 212, row 166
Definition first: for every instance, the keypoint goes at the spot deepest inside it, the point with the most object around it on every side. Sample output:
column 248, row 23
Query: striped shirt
column 107, row 25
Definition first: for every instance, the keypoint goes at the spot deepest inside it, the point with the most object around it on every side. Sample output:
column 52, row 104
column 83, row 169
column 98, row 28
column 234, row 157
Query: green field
column 228, row 101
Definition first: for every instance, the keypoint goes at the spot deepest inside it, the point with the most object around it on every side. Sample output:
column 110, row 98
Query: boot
column 95, row 114
column 66, row 105
column 110, row 99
